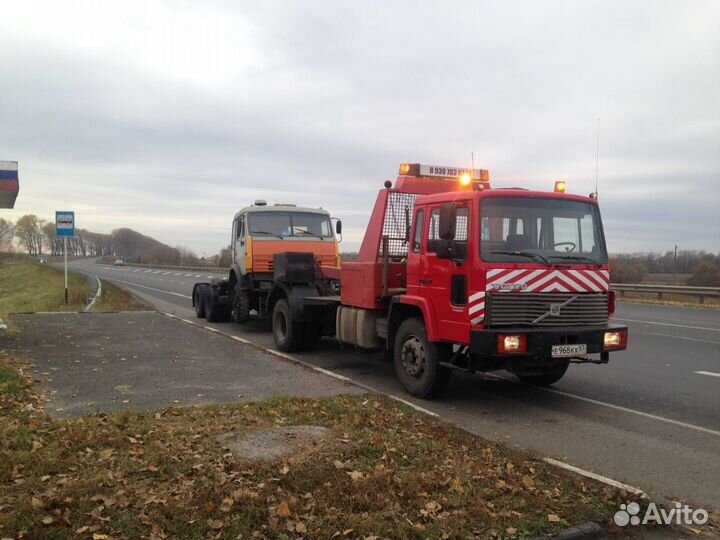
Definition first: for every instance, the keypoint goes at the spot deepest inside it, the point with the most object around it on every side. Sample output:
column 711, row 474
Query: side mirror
column 338, row 227
column 448, row 218
column 445, row 249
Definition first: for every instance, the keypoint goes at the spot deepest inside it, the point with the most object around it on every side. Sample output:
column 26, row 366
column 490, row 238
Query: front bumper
column 484, row 343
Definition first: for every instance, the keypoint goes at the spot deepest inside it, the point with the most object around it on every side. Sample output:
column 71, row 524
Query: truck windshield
column 286, row 224
column 523, row 229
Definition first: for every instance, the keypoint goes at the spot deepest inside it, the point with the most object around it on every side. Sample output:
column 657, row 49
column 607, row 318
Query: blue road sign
column 65, row 223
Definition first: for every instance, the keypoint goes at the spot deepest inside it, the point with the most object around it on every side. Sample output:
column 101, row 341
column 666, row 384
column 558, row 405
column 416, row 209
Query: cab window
column 417, row 237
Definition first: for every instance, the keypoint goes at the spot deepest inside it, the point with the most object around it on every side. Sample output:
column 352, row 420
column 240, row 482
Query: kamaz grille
column 518, row 309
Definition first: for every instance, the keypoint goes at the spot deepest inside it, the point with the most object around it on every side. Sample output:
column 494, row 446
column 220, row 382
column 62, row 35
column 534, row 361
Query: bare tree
column 29, row 230
column 7, row 232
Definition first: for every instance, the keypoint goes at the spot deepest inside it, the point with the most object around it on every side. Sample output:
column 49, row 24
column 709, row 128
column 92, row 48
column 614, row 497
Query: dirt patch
column 273, row 443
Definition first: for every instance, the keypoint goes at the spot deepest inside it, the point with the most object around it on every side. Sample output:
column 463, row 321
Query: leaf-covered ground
column 386, row 471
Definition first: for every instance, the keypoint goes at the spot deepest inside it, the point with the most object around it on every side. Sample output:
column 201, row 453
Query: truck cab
column 260, row 234
column 455, row 274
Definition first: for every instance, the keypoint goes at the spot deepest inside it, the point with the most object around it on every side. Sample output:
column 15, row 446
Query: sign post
column 65, row 227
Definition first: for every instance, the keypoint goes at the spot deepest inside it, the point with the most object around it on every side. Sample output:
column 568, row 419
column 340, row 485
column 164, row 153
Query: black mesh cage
column 398, row 217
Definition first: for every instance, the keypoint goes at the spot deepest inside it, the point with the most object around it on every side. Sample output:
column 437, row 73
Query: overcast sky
column 168, row 117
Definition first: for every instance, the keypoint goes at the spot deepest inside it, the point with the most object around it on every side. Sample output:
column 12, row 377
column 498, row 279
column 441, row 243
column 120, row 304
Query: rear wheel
column 544, row 379
column 417, row 361
column 288, row 335
column 241, row 305
column 199, row 303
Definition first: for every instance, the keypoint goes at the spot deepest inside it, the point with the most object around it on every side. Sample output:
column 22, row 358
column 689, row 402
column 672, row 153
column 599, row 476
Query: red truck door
column 445, row 281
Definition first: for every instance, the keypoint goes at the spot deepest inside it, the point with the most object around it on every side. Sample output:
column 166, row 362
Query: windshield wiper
column 307, row 233
column 524, row 254
column 281, row 237
column 577, row 258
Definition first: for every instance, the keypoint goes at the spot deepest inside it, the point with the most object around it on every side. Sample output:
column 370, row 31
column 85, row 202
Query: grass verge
column 113, row 298
column 386, row 471
column 678, row 300
column 28, row 287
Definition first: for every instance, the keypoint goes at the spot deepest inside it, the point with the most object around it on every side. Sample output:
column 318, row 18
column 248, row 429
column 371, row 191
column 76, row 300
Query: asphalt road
column 650, row 418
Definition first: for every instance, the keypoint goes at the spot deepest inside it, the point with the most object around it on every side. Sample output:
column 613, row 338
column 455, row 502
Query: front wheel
column 240, row 305
column 288, row 335
column 545, row 379
column 417, row 361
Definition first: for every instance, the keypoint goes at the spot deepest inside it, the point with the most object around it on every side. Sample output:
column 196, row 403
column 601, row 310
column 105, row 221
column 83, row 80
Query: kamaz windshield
column 287, row 224
column 525, row 229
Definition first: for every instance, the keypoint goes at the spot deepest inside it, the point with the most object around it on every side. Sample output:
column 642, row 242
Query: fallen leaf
column 356, row 475
column 512, row 531
column 285, row 469
column 47, row 520
column 529, row 482
column 215, row 523
column 338, row 464
column 300, row 527
column 37, row 503
column 152, row 468
column 283, row 509
column 106, row 454
column 98, row 536
column 553, row 518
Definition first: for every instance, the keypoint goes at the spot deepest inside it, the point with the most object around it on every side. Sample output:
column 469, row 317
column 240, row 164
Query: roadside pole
column 65, row 252
column 65, row 227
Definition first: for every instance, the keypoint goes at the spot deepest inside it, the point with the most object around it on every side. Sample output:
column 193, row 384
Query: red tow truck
column 455, row 275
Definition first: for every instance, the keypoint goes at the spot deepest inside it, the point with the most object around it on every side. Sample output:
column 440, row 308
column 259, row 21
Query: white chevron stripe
column 477, row 307
column 540, row 282
column 495, row 272
column 509, row 277
column 556, row 287
column 577, row 275
column 478, row 320
column 574, row 285
column 476, row 296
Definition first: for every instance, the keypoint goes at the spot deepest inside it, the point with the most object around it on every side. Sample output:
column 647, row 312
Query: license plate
column 560, row 351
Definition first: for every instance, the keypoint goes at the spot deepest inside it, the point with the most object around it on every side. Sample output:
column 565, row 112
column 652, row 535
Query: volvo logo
column 508, row 286
column 554, row 310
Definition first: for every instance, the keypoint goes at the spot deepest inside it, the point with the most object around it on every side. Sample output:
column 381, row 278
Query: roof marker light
column 560, row 186
column 465, row 179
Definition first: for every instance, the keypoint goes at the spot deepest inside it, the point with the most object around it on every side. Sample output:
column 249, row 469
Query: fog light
column 615, row 340
column 512, row 344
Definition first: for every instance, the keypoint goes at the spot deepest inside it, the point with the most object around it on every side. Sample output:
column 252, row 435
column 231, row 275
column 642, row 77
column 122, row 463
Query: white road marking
column 198, row 275
column 635, row 333
column 153, row 289
column 709, row 373
column 136, row 270
column 187, row 275
column 165, row 273
column 178, row 274
column 631, row 411
column 147, row 271
column 666, row 324
column 210, row 277
column 594, row 476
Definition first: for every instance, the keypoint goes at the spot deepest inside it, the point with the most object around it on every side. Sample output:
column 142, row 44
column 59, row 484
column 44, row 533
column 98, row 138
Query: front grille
column 513, row 309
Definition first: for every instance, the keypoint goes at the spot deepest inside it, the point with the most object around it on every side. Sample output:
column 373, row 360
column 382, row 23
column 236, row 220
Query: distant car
column 42, row 260
column 119, row 262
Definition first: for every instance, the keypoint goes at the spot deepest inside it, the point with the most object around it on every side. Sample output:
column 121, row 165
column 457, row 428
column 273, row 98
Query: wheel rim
column 413, row 357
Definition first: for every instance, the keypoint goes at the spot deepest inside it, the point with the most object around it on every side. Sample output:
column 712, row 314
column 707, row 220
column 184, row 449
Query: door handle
column 425, row 281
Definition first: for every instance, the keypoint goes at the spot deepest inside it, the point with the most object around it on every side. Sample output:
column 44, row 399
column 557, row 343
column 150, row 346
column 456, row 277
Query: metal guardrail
column 700, row 292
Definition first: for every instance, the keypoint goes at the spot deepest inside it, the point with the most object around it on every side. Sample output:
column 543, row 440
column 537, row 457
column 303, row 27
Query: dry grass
column 29, row 287
column 113, row 298
column 387, row 471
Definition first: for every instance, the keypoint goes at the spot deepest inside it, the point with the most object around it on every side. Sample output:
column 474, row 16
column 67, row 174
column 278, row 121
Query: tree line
column 37, row 237
column 703, row 267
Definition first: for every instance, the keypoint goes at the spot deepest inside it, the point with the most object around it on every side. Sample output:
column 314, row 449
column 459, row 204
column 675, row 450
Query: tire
column 199, row 303
column 417, row 361
column 289, row 336
column 240, row 305
column 544, row 379
column 215, row 311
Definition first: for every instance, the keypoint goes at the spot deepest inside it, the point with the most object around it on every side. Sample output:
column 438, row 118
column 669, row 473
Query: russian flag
column 9, row 185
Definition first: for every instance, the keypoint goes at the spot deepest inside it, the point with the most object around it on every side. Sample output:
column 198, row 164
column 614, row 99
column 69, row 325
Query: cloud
column 170, row 116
